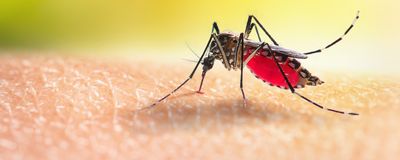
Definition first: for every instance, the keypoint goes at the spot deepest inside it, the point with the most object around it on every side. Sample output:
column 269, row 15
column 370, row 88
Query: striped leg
column 241, row 43
column 224, row 56
column 240, row 47
column 183, row 83
column 208, row 60
column 244, row 62
column 253, row 25
column 339, row 39
column 215, row 27
column 249, row 27
column 301, row 96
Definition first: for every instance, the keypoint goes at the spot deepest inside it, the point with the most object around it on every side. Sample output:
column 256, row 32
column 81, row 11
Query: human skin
column 70, row 107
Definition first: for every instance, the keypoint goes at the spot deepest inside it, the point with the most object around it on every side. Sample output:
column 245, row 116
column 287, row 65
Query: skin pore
column 70, row 107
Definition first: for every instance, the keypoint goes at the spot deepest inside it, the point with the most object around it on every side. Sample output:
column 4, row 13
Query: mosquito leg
column 215, row 27
column 252, row 54
column 190, row 77
column 248, row 29
column 340, row 38
column 235, row 53
column 244, row 62
column 224, row 56
column 203, row 74
column 253, row 25
column 301, row 96
column 241, row 43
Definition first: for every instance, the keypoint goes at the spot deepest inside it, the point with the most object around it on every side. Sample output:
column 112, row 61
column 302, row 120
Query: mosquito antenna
column 190, row 48
column 189, row 60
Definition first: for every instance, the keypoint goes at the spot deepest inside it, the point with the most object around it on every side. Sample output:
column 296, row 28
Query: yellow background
column 160, row 27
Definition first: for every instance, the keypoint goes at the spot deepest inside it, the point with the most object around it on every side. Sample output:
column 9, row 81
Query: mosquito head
column 208, row 63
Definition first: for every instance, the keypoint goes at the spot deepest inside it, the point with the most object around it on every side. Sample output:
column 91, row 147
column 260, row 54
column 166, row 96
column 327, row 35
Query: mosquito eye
column 235, row 41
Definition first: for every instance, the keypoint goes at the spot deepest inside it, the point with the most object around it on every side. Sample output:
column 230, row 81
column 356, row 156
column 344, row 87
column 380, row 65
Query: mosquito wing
column 279, row 49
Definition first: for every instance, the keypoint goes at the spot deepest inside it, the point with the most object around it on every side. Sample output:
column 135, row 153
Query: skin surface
column 60, row 107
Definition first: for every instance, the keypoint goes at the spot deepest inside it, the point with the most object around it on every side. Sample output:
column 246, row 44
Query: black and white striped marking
column 325, row 108
column 340, row 38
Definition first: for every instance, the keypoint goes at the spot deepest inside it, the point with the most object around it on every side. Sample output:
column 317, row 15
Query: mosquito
column 271, row 63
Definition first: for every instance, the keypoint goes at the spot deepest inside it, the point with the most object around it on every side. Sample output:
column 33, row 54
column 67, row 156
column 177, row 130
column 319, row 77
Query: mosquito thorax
column 228, row 41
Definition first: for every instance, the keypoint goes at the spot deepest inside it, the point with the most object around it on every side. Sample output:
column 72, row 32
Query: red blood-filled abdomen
column 266, row 69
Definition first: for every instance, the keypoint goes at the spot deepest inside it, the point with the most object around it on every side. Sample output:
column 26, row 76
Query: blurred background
column 160, row 28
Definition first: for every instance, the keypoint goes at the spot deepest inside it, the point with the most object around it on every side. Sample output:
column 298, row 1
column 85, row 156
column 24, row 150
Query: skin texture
column 60, row 107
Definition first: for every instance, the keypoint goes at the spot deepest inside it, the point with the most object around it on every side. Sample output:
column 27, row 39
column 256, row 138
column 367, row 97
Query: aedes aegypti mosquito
column 273, row 64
